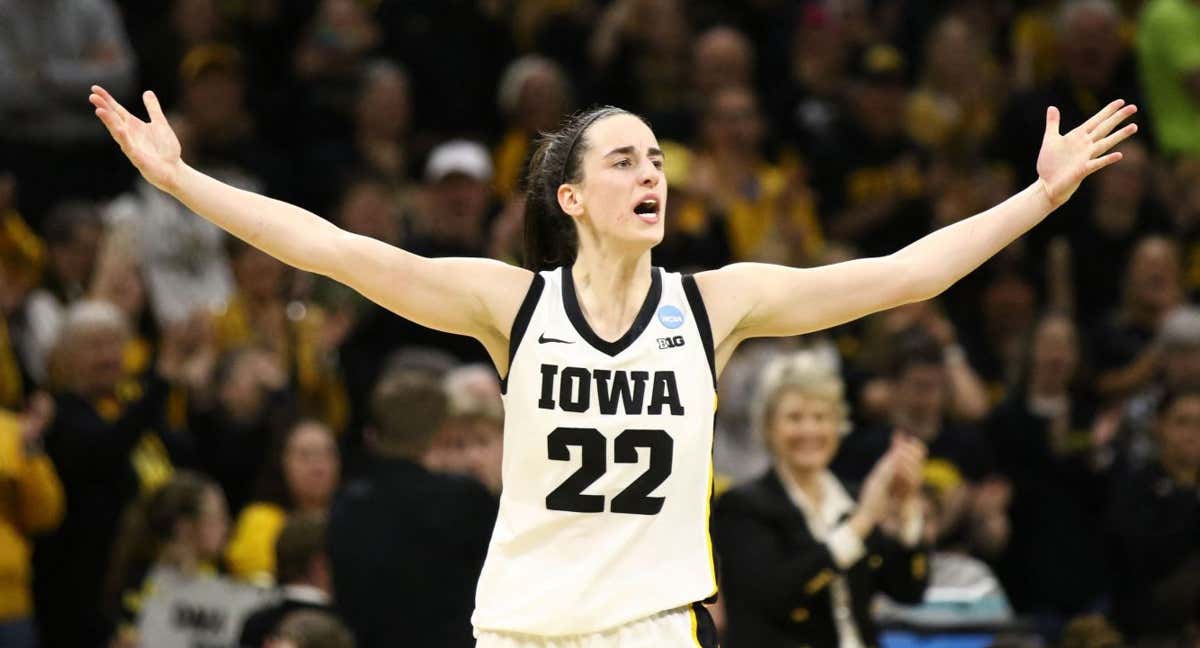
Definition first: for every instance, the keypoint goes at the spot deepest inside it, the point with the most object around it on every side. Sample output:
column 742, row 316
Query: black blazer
column 93, row 454
column 775, row 576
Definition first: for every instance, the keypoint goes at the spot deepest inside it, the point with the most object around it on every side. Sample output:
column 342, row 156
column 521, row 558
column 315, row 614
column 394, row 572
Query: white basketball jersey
column 607, row 465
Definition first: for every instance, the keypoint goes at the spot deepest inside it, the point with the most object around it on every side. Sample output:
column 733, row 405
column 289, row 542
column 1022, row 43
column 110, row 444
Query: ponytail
column 550, row 236
column 148, row 525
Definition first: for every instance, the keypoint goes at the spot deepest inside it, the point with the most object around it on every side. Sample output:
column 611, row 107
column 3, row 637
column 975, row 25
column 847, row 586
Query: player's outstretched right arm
column 476, row 297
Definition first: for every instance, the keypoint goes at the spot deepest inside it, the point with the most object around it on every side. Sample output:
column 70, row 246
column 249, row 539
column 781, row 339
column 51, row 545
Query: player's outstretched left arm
column 754, row 300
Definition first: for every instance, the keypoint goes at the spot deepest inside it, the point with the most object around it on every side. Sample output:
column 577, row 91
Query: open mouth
column 647, row 210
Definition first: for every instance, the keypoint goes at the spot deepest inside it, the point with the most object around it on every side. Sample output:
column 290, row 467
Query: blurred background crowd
column 179, row 411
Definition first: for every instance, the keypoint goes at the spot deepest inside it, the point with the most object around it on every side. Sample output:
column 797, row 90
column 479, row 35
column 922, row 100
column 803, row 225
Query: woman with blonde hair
column 800, row 557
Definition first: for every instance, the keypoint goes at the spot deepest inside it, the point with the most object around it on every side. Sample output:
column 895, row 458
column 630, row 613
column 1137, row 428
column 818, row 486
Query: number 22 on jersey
column 635, row 498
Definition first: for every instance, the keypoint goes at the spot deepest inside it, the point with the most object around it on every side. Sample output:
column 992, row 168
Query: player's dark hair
column 550, row 236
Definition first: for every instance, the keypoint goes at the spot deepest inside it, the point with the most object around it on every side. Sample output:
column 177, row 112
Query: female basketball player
column 609, row 363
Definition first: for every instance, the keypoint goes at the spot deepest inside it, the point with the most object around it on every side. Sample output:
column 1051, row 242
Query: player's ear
column 570, row 200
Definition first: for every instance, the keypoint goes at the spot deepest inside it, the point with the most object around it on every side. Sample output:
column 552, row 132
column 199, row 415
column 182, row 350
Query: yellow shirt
column 509, row 161
column 31, row 501
column 12, row 386
column 758, row 226
column 22, row 256
column 250, row 554
column 1033, row 33
column 322, row 394
column 938, row 120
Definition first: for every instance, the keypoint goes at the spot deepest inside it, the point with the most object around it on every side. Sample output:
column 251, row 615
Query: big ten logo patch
column 670, row 342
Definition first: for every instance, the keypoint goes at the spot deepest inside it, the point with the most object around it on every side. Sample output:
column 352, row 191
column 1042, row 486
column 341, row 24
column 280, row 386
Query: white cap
column 459, row 156
column 1180, row 329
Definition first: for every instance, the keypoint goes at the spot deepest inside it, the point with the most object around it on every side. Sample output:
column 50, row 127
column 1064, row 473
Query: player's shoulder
column 720, row 287
column 492, row 276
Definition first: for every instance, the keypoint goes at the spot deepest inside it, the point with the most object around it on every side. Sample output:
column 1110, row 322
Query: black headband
column 575, row 140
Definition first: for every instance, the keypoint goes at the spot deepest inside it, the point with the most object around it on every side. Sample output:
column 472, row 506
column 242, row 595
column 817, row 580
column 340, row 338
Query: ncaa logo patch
column 670, row 316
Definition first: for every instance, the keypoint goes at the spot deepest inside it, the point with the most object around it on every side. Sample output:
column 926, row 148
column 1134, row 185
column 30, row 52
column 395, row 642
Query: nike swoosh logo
column 542, row 339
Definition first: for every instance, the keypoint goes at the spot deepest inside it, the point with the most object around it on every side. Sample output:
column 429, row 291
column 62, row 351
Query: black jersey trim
column 520, row 323
column 704, row 630
column 696, row 303
column 575, row 314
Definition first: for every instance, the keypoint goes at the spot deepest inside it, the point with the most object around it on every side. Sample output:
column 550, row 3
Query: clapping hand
column 36, row 418
column 896, row 476
column 188, row 353
column 909, row 469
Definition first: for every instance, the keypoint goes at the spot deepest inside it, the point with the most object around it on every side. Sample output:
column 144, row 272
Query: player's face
column 803, row 431
column 623, row 195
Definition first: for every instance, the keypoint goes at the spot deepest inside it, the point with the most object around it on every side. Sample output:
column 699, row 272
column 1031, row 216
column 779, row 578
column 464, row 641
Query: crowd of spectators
column 191, row 431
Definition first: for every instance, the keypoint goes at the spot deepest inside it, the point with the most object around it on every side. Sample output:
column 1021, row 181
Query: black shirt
column 93, row 450
column 1116, row 343
column 1155, row 553
column 407, row 547
column 1055, row 559
column 960, row 447
column 855, row 169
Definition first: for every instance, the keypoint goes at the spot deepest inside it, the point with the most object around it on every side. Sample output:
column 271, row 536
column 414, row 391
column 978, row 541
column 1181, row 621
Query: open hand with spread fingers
column 152, row 147
column 1065, row 160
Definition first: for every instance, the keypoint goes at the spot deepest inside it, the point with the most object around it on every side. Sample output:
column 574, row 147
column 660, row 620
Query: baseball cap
column 459, row 156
